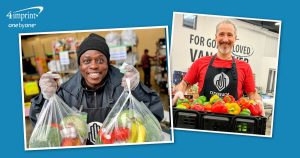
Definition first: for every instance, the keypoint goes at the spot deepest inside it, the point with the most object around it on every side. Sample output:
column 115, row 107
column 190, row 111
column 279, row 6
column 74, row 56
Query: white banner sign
column 64, row 58
column 118, row 53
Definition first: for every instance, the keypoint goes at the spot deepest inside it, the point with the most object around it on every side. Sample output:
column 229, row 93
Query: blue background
column 75, row 15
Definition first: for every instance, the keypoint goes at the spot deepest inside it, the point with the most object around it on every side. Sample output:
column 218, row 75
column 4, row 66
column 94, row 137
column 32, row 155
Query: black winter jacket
column 104, row 97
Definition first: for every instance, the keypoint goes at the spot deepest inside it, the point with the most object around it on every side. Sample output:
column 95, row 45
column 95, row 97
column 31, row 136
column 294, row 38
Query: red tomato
column 106, row 138
column 121, row 134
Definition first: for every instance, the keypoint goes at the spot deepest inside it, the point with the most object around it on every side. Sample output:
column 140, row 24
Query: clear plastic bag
column 129, row 38
column 58, row 125
column 113, row 39
column 130, row 121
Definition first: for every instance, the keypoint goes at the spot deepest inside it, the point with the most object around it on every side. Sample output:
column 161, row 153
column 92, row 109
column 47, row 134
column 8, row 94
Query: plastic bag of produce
column 58, row 125
column 129, row 121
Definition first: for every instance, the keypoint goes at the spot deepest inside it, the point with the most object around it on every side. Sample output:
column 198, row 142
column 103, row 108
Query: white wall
column 261, row 43
column 269, row 63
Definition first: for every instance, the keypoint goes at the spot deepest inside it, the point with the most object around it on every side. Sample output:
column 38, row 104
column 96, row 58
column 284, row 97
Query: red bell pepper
column 198, row 107
column 255, row 110
column 244, row 103
column 219, row 107
column 228, row 99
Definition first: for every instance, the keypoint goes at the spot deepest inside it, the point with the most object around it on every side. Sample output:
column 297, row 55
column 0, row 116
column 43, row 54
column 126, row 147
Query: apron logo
column 93, row 131
column 221, row 81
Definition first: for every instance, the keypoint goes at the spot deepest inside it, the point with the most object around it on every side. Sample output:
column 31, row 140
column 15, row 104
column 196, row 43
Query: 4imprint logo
column 22, row 15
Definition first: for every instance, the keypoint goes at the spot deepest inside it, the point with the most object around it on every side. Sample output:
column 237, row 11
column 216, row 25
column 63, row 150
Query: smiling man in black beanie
column 95, row 87
column 93, row 42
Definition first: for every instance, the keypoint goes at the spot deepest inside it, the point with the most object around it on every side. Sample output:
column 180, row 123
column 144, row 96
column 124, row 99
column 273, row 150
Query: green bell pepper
column 245, row 112
column 203, row 98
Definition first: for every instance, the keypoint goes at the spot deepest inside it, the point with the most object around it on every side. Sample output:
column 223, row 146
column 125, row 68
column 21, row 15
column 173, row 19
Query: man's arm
column 183, row 86
column 254, row 96
column 180, row 90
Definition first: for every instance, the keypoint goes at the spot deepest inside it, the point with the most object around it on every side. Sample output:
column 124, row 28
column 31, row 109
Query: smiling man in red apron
column 221, row 74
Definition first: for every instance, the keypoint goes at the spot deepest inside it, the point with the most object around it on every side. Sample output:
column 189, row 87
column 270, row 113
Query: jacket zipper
column 95, row 95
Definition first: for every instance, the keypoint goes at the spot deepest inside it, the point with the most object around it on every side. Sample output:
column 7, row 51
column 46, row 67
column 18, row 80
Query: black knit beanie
column 93, row 42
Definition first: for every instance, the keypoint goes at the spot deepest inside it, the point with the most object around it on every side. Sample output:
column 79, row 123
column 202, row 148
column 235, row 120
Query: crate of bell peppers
column 220, row 114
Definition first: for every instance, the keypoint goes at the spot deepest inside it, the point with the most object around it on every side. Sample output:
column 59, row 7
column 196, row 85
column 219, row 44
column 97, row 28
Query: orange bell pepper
column 187, row 105
column 207, row 107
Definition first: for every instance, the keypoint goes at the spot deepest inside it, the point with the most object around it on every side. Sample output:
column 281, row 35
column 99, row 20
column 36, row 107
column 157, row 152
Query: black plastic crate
column 216, row 122
column 249, row 124
column 184, row 118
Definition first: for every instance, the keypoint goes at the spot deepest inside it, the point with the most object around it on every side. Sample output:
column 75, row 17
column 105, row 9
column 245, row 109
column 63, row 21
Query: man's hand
column 49, row 84
column 133, row 75
column 180, row 89
column 261, row 105
column 178, row 95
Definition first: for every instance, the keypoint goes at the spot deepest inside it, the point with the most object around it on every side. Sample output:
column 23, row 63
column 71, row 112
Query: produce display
column 225, row 105
column 130, row 121
column 58, row 125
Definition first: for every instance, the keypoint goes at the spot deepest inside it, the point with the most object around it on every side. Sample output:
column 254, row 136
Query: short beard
column 225, row 51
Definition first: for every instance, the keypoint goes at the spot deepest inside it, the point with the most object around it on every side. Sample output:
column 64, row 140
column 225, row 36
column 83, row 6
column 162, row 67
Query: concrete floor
column 269, row 121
